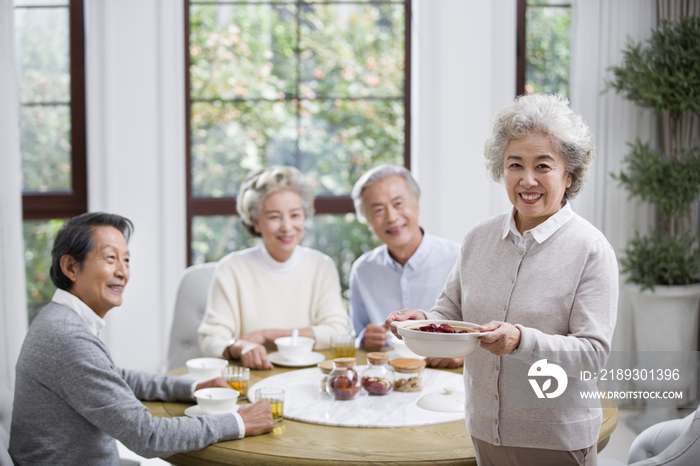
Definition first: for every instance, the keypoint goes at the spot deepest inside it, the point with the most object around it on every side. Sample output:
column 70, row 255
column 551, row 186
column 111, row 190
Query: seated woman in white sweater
column 262, row 293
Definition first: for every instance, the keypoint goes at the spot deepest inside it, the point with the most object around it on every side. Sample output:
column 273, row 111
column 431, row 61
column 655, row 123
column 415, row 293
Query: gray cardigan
column 71, row 402
column 562, row 295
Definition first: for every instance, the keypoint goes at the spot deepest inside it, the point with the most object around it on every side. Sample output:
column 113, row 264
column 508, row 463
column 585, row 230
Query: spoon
column 295, row 334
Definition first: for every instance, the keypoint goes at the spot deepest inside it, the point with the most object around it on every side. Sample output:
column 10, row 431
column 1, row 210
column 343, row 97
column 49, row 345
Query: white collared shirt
column 380, row 285
column 94, row 322
column 539, row 234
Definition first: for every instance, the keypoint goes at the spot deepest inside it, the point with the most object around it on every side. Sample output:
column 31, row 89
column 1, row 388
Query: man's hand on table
column 217, row 382
column 257, row 418
column 375, row 337
column 444, row 363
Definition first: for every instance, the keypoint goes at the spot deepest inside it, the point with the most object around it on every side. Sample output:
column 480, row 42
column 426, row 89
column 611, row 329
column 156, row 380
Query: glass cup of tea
column 237, row 378
column 275, row 398
column 342, row 346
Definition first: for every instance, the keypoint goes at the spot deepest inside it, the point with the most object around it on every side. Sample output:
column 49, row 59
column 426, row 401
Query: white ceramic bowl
column 206, row 368
column 217, row 400
column 401, row 349
column 438, row 345
column 295, row 352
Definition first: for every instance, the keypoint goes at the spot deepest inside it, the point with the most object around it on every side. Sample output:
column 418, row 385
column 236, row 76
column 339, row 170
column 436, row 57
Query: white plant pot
column 664, row 321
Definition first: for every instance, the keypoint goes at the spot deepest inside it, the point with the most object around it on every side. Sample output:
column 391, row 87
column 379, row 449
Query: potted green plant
column 662, row 268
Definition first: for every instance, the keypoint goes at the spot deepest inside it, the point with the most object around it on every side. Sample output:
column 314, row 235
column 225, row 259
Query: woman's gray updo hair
column 550, row 115
column 261, row 183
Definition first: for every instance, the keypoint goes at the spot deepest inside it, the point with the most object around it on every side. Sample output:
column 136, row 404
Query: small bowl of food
column 217, row 400
column 206, row 368
column 295, row 349
column 439, row 338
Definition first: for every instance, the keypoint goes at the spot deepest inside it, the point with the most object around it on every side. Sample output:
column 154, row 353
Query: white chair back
column 668, row 443
column 190, row 304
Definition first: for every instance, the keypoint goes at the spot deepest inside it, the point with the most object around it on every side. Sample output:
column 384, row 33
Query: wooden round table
column 298, row 443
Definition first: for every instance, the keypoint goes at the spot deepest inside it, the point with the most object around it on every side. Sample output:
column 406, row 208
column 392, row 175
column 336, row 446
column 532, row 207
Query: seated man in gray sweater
column 71, row 402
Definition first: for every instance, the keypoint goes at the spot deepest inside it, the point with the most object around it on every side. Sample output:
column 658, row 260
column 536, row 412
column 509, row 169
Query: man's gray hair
column 376, row 174
column 551, row 116
column 261, row 183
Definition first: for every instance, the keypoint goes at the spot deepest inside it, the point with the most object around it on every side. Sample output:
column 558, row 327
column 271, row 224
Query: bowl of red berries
column 439, row 338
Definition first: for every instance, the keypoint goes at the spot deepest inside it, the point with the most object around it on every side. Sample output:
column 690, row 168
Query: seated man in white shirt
column 409, row 270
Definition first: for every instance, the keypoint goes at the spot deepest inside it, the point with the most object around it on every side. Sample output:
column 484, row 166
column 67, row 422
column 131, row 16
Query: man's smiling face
column 392, row 213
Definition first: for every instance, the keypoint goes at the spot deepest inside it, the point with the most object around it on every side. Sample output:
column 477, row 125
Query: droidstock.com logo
column 542, row 369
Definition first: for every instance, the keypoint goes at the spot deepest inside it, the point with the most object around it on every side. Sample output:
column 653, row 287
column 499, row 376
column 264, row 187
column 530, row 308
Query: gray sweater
column 562, row 295
column 71, row 402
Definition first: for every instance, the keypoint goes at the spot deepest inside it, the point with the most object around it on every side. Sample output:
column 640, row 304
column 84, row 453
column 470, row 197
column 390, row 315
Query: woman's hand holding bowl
column 502, row 338
column 403, row 314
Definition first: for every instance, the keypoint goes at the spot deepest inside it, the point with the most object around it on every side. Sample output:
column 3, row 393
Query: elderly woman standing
column 262, row 293
column 543, row 278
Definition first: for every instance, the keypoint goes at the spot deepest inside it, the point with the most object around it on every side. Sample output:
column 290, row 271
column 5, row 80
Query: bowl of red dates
column 439, row 338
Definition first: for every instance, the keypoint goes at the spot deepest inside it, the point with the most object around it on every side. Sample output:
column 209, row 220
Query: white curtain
column 676, row 9
column 13, row 301
column 601, row 29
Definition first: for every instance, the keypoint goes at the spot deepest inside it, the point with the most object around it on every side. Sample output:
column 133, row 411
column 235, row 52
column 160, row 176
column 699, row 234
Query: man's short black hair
column 75, row 239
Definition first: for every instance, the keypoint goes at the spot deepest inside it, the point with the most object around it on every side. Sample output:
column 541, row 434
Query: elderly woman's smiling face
column 536, row 179
column 281, row 223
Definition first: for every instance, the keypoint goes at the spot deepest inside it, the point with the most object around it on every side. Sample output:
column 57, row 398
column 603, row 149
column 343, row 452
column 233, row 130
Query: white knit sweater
column 562, row 295
column 251, row 291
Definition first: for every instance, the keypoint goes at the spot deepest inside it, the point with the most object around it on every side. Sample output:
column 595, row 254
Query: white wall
column 136, row 155
column 13, row 302
column 463, row 75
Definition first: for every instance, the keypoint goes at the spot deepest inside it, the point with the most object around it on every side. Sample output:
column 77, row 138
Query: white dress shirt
column 540, row 233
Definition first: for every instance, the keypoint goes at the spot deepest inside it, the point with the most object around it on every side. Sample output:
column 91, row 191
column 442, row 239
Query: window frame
column 521, row 45
column 521, row 48
column 198, row 206
column 54, row 204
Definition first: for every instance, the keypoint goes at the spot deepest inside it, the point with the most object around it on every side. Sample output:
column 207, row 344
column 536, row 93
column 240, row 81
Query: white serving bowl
column 206, row 368
column 438, row 345
column 300, row 350
column 217, row 400
column 401, row 349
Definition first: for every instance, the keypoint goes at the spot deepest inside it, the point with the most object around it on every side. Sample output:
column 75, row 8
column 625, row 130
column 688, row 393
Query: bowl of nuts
column 439, row 338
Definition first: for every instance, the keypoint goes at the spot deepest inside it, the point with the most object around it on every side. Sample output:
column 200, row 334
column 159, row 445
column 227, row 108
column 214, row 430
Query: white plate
column 197, row 411
column 304, row 402
column 313, row 359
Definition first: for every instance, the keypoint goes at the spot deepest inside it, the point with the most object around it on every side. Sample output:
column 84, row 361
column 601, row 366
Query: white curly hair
column 551, row 116
column 261, row 183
